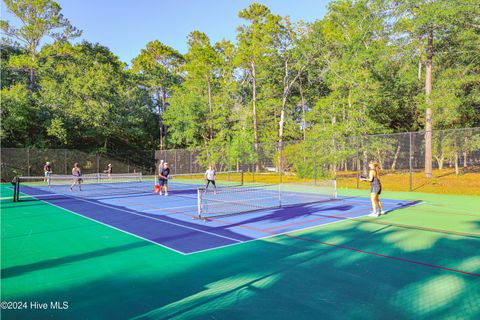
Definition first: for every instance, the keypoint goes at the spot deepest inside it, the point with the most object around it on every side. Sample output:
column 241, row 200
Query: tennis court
column 259, row 251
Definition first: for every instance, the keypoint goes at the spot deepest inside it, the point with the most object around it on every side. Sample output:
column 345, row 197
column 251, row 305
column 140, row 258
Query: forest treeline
column 367, row 66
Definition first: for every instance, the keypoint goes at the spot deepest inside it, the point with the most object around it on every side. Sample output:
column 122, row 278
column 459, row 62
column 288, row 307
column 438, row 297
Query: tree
column 158, row 68
column 87, row 100
column 430, row 21
column 39, row 19
column 254, row 45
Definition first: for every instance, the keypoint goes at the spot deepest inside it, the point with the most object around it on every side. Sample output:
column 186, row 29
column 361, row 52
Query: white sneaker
column 166, row 194
column 373, row 214
column 383, row 212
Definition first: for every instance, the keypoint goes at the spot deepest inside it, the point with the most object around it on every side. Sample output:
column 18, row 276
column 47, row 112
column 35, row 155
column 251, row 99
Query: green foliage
column 16, row 115
column 359, row 70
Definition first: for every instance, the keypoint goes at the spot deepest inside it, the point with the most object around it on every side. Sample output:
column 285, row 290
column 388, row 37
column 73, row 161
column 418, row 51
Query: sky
column 126, row 26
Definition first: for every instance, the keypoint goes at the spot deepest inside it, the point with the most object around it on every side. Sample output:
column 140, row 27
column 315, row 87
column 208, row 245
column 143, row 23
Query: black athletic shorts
column 376, row 189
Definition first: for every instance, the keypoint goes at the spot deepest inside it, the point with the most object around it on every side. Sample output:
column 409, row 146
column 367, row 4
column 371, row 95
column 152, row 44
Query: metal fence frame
column 309, row 159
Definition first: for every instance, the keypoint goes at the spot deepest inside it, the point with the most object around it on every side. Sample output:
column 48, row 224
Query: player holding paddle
column 77, row 177
column 163, row 172
column 375, row 188
column 210, row 178
column 47, row 168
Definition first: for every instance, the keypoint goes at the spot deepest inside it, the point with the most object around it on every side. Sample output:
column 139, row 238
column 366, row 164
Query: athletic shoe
column 166, row 194
column 383, row 212
column 373, row 214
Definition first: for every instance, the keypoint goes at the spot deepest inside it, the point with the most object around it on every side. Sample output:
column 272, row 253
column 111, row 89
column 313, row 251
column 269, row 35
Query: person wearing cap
column 163, row 178
column 47, row 168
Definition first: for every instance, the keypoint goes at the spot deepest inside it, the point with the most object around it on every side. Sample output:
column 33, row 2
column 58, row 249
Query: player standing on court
column 77, row 174
column 375, row 188
column 163, row 178
column 210, row 177
column 109, row 170
column 47, row 168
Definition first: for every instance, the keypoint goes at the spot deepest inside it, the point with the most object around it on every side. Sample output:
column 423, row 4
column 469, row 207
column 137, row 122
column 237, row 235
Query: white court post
column 199, row 203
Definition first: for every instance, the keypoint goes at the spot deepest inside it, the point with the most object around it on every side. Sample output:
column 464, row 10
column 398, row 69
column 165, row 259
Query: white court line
column 279, row 234
column 169, row 208
column 141, row 215
column 107, row 225
column 367, row 208
column 153, row 218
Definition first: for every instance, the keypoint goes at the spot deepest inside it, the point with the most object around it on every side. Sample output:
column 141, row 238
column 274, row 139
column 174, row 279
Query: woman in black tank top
column 375, row 189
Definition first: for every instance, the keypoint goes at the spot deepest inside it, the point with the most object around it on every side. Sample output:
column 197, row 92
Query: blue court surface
column 169, row 221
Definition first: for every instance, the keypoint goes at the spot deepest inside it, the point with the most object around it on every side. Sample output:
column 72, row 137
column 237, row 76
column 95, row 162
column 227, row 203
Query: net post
column 280, row 195
column 15, row 182
column 199, row 203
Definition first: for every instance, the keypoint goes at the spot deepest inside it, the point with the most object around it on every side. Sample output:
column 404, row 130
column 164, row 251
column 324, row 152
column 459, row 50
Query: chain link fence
column 30, row 162
column 401, row 158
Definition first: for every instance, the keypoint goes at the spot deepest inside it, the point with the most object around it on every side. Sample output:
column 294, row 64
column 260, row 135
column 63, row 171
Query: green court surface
column 420, row 262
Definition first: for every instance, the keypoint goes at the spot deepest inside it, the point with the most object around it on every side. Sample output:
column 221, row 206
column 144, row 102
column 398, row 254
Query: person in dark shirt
column 47, row 168
column 375, row 188
column 163, row 178
column 109, row 170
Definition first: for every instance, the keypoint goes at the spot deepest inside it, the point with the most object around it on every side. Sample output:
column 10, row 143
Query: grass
column 444, row 181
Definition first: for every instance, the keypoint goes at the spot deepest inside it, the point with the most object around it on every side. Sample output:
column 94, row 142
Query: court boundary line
column 153, row 218
column 110, row 226
column 139, row 214
column 372, row 253
column 365, row 203
column 277, row 234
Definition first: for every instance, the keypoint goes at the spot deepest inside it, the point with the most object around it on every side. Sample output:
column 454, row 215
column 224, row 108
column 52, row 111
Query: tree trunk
column 457, row 171
column 334, row 164
column 210, row 106
column 395, row 157
column 304, row 120
column 440, row 161
column 419, row 70
column 428, row 119
column 254, row 98
column 162, row 108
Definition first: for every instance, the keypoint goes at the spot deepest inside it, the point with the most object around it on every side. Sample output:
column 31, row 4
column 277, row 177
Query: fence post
column 28, row 161
column 65, row 161
column 315, row 162
column 410, row 161
column 357, row 164
column 174, row 161
column 190, row 162
column 97, row 156
column 253, row 163
column 281, row 162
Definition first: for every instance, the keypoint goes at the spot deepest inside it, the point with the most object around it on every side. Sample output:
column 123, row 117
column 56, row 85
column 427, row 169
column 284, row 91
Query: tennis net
column 251, row 198
column 103, row 185
column 90, row 185
column 196, row 180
